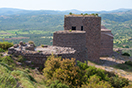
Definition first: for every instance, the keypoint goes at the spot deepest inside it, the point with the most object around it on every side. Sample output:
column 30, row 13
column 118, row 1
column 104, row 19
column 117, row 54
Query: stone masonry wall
column 106, row 45
column 37, row 59
column 73, row 21
column 92, row 26
column 73, row 39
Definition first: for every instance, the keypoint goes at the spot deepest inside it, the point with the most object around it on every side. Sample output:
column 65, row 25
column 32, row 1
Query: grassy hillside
column 38, row 28
column 121, row 26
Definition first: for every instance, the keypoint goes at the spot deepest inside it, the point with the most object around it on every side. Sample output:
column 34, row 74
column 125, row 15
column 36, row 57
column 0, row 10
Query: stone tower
column 92, row 26
column 86, row 37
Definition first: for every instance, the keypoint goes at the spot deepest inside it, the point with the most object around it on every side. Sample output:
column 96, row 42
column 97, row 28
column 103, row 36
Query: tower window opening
column 81, row 28
column 73, row 28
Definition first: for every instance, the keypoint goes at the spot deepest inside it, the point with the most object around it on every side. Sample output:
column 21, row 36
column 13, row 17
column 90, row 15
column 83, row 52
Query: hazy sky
column 84, row 5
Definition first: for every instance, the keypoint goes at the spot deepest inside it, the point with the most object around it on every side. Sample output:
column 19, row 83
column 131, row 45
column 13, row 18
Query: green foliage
column 8, row 60
column 94, row 82
column 128, row 63
column 81, row 13
column 20, row 58
column 68, row 73
column 70, row 13
column 1, row 50
column 82, row 65
column 96, row 14
column 85, row 14
column 94, row 79
column 94, row 71
column 31, row 42
column 5, row 45
column 57, row 84
column 126, row 54
column 51, row 65
column 55, row 67
column 6, row 80
column 24, row 79
column 42, row 45
column 129, row 86
column 65, row 71
column 100, row 84
column 118, row 82
column 70, row 30
column 31, row 78
column 124, row 67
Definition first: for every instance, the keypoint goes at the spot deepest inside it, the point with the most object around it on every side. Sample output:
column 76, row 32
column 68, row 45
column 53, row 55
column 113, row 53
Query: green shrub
column 57, row 84
column 1, row 50
column 94, row 82
column 94, row 71
column 70, row 30
column 20, row 58
column 126, row 54
column 96, row 14
column 94, row 79
column 68, row 73
column 90, row 71
column 81, row 13
column 82, row 66
column 128, row 63
column 51, row 65
column 100, row 84
column 70, row 13
column 129, row 86
column 63, row 70
column 1, row 54
column 31, row 42
column 85, row 14
column 118, row 82
column 5, row 45
column 42, row 45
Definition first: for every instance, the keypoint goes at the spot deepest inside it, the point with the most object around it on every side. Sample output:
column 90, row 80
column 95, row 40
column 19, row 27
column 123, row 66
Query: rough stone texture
column 39, row 58
column 16, row 45
column 73, row 39
column 21, row 43
column 92, row 26
column 73, row 21
column 99, row 39
column 106, row 42
column 30, row 47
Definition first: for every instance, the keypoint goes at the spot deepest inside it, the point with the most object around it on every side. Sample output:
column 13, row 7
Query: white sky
column 84, row 5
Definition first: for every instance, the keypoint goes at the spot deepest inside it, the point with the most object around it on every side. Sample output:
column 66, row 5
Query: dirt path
column 106, row 63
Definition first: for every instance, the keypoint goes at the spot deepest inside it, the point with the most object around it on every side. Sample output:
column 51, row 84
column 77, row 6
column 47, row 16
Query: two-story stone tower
column 83, row 33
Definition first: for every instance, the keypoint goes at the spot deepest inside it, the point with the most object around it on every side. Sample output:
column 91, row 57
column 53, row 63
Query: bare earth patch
column 108, row 63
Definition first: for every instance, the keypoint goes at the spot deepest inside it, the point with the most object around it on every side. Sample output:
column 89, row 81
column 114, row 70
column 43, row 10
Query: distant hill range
column 13, row 11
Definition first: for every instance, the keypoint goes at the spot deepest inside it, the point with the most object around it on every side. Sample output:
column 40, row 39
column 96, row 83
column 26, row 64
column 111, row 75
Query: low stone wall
column 37, row 59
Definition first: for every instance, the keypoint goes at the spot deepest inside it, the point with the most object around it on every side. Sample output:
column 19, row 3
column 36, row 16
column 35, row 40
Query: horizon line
column 61, row 10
